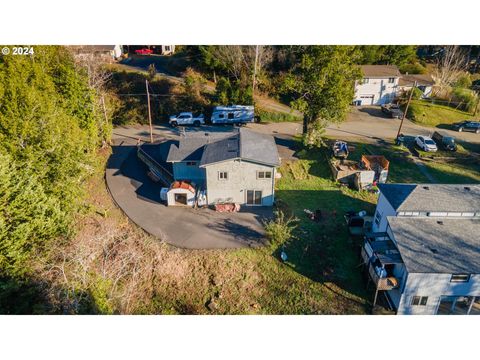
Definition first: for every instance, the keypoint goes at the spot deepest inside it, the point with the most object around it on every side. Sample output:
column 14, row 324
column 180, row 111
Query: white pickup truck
column 186, row 118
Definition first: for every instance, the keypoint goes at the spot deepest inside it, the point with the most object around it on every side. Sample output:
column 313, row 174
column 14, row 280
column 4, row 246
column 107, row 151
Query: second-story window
column 420, row 300
column 191, row 163
column 223, row 175
column 460, row 278
column 365, row 80
column 391, row 80
column 264, row 174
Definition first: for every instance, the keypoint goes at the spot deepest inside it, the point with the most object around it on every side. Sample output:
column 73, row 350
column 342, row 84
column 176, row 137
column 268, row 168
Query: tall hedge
column 49, row 132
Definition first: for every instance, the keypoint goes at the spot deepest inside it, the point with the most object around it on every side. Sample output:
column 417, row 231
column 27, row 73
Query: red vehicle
column 144, row 51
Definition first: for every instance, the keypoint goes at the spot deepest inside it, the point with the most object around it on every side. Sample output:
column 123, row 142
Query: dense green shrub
column 280, row 229
column 413, row 68
column 466, row 97
column 232, row 92
column 464, row 81
column 49, row 131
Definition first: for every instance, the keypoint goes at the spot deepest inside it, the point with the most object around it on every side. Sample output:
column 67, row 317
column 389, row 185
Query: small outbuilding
column 181, row 193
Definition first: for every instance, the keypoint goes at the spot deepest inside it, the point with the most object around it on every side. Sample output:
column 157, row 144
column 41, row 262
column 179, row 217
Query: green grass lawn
column 456, row 172
column 452, row 167
column 426, row 113
column 324, row 251
column 276, row 117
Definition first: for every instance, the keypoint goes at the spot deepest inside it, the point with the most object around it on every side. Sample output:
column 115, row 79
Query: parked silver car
column 426, row 143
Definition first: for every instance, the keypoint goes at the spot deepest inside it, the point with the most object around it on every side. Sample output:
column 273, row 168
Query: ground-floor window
column 254, row 197
column 459, row 305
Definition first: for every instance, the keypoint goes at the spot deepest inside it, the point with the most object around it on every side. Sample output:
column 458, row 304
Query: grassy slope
column 428, row 114
column 453, row 167
column 139, row 274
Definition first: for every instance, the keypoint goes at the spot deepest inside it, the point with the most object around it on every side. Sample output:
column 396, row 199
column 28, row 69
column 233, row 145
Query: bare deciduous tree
column 239, row 61
column 449, row 66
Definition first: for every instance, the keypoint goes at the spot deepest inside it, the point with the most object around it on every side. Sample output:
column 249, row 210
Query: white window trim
column 264, row 174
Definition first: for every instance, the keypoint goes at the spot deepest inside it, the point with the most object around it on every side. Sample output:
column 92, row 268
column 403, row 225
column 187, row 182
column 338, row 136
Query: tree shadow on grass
column 323, row 251
column 28, row 296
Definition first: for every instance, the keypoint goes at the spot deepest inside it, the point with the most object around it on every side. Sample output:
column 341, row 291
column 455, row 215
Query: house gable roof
column 380, row 71
column 429, row 245
column 432, row 197
column 243, row 144
column 421, row 79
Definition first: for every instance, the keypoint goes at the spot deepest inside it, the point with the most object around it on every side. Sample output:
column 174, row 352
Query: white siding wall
column 384, row 209
column 383, row 91
column 434, row 286
column 242, row 176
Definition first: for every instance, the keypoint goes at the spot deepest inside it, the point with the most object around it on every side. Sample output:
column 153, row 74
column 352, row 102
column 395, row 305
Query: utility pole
column 149, row 112
column 255, row 71
column 406, row 109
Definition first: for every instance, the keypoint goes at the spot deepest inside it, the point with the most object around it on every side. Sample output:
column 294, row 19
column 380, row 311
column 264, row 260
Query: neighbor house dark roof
column 448, row 246
column 209, row 149
column 380, row 71
column 432, row 197
column 421, row 79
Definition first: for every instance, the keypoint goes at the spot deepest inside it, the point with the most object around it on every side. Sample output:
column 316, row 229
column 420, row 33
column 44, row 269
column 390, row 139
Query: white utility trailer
column 235, row 114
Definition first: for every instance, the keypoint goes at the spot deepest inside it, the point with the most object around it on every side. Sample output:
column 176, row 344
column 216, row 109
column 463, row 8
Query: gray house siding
column 434, row 286
column 182, row 171
column 242, row 176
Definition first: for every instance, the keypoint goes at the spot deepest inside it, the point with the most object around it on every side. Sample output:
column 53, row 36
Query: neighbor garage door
column 367, row 99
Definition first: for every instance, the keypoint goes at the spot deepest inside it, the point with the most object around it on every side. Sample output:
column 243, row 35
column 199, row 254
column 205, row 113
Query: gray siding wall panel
column 242, row 176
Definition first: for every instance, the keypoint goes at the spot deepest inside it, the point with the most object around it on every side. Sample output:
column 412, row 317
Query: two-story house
column 378, row 85
column 424, row 251
column 236, row 167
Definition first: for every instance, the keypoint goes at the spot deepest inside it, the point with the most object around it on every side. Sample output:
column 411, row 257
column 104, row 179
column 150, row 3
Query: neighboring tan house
column 234, row 168
column 378, row 86
column 424, row 251
column 106, row 53
column 424, row 82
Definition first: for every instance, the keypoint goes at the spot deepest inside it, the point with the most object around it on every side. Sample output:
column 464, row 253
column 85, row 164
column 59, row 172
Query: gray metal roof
column 243, row 144
column 432, row 197
column 447, row 246
column 221, row 150
column 258, row 147
column 187, row 149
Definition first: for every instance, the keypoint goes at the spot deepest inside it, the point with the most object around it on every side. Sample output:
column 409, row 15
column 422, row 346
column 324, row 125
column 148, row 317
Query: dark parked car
column 392, row 110
column 467, row 125
column 444, row 141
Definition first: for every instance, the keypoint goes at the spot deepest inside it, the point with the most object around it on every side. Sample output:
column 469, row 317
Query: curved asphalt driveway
column 184, row 227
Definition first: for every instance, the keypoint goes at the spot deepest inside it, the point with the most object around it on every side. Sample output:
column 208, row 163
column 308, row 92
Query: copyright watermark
column 17, row 50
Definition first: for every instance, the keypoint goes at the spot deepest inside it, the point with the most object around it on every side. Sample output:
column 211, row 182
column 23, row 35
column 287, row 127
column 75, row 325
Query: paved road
column 370, row 123
column 139, row 198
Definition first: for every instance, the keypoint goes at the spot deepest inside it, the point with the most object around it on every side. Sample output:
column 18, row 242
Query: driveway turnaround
column 183, row 227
